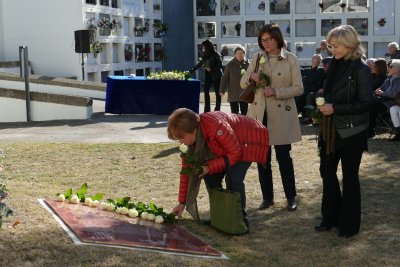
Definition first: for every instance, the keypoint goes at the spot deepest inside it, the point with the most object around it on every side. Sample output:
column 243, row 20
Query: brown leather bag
column 247, row 95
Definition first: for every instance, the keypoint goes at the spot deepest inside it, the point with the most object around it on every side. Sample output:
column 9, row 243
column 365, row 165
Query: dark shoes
column 321, row 228
column 266, row 204
column 340, row 234
column 396, row 138
column 306, row 120
column 292, row 205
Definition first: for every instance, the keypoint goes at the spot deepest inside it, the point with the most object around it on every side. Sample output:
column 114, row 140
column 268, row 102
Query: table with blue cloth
column 137, row 95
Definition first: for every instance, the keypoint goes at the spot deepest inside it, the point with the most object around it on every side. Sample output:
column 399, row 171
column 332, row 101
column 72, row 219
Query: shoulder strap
column 228, row 176
column 257, row 62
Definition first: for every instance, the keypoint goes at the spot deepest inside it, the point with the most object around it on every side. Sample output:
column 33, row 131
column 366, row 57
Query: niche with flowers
column 206, row 7
column 230, row 7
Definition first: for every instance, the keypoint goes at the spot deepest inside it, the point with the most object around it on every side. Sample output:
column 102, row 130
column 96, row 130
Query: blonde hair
column 182, row 121
column 347, row 36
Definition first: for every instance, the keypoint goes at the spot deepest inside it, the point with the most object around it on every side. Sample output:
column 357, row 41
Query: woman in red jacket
column 213, row 136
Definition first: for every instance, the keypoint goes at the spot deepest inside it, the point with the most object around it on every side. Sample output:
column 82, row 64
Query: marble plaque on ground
column 96, row 226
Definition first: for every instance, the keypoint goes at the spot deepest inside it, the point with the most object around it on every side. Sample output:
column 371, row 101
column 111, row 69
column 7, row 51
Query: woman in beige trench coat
column 275, row 106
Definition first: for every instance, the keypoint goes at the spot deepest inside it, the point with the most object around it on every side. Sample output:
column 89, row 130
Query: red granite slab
column 93, row 225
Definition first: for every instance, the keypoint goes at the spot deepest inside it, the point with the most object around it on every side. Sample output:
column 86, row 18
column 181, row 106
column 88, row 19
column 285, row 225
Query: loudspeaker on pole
column 82, row 44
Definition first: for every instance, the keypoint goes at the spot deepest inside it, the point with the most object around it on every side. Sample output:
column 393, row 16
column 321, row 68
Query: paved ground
column 101, row 128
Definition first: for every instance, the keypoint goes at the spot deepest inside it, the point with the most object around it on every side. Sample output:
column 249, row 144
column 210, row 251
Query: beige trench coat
column 282, row 119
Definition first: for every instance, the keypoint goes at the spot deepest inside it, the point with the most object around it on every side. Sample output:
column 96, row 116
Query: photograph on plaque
column 255, row 7
column 365, row 46
column 329, row 24
column 104, row 20
column 361, row 25
column 230, row 29
column 305, row 7
column 384, row 17
column 139, row 27
column 230, row 7
column 205, row 29
column 206, row 7
column 254, row 27
column 139, row 52
column 305, row 27
column 330, row 6
column 357, row 6
column 284, row 25
column 251, row 50
column 279, row 6
column 304, row 50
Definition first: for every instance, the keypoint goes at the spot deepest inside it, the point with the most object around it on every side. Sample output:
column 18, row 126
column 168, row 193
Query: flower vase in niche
column 261, row 6
column 382, row 22
column 238, row 26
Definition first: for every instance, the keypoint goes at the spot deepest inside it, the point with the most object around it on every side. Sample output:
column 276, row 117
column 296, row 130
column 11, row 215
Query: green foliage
column 81, row 193
column 265, row 80
column 193, row 166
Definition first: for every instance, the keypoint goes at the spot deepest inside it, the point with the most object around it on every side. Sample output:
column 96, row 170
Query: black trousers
column 235, row 107
column 285, row 168
column 342, row 209
column 208, row 82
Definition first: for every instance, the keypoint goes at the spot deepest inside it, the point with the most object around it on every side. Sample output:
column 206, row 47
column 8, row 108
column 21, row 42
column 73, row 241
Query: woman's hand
column 205, row 171
column 326, row 109
column 378, row 91
column 178, row 210
column 255, row 76
column 208, row 69
column 221, row 94
column 269, row 91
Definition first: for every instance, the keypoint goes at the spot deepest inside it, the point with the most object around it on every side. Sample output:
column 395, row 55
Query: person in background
column 395, row 116
column 384, row 95
column 211, row 137
column 379, row 72
column 347, row 93
column 324, row 50
column 274, row 105
column 230, row 81
column 394, row 51
column 370, row 62
column 326, row 63
column 313, row 78
column 212, row 64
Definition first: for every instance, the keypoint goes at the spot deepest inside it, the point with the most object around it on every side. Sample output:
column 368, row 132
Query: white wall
column 14, row 110
column 47, row 28
column 1, row 32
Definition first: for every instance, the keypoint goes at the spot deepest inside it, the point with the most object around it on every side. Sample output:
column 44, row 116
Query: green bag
column 226, row 208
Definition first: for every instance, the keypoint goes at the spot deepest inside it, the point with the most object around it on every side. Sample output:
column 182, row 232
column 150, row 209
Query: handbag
column 226, row 208
column 247, row 95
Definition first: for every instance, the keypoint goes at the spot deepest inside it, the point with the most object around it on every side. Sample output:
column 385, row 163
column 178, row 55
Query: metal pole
column 20, row 61
column 83, row 69
column 26, row 76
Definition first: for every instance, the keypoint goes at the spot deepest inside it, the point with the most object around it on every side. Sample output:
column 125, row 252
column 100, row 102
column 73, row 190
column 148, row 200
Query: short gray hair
column 395, row 63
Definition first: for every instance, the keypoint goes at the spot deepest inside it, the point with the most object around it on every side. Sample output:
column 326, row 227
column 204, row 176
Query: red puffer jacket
column 237, row 137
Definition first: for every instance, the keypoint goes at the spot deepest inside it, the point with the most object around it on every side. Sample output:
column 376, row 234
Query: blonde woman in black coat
column 347, row 92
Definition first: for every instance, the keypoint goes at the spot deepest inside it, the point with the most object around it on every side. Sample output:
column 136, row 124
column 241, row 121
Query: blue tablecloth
column 136, row 95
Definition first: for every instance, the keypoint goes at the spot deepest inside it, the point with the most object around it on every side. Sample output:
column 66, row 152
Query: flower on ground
column 61, row 197
column 183, row 148
column 75, row 199
column 144, row 215
column 151, row 217
column 133, row 213
column 159, row 219
column 94, row 203
column 262, row 60
column 122, row 210
column 88, row 201
column 320, row 101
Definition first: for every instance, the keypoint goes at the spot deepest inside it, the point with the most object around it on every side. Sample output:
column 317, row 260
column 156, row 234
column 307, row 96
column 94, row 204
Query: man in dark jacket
column 394, row 50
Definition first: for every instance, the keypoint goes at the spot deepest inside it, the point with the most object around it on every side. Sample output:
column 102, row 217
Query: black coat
column 351, row 96
column 212, row 61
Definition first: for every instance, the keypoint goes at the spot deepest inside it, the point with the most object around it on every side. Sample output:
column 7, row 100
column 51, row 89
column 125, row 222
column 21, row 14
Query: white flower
column 243, row 71
column 159, row 219
column 320, row 101
column 133, row 213
column 122, row 210
column 151, row 217
column 144, row 215
column 111, row 206
column 94, row 203
column 104, row 205
column 262, row 60
column 61, row 197
column 75, row 199
column 88, row 201
column 183, row 148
